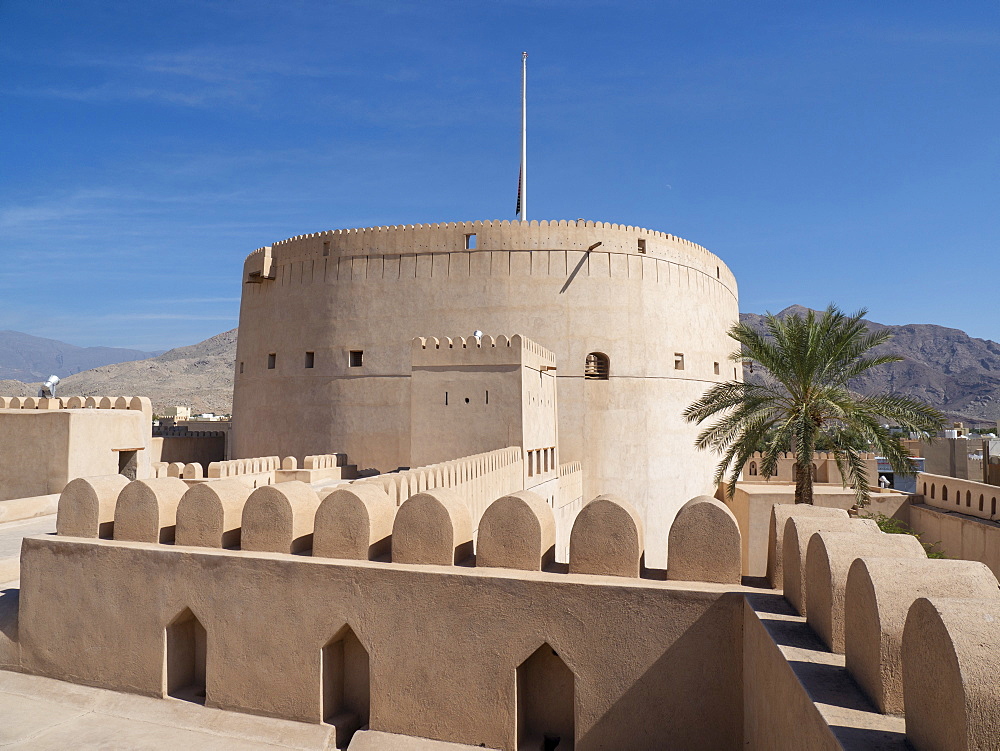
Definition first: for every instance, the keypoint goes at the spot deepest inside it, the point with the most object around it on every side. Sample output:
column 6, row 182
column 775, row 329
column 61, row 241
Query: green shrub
column 893, row 526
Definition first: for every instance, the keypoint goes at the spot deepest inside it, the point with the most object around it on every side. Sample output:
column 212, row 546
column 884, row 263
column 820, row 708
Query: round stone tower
column 637, row 320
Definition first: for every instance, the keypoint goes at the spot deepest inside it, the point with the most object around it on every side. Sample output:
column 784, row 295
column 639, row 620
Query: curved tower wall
column 574, row 287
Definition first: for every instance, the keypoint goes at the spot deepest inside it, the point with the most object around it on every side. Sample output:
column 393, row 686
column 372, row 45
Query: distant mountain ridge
column 24, row 357
column 947, row 368
column 199, row 376
column 956, row 373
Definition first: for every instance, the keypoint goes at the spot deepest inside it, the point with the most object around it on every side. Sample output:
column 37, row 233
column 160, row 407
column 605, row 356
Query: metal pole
column 524, row 137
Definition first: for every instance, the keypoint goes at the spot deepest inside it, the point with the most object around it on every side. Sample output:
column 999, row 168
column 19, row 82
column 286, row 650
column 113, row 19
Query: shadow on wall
column 9, row 599
column 709, row 654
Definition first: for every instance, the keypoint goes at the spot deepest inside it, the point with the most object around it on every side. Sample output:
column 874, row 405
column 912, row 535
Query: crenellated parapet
column 138, row 403
column 430, row 351
column 478, row 238
column 434, row 524
column 285, row 572
column 918, row 633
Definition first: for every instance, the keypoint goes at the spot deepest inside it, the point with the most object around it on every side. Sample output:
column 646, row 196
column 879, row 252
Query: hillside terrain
column 947, row 368
column 199, row 376
column 32, row 358
column 956, row 373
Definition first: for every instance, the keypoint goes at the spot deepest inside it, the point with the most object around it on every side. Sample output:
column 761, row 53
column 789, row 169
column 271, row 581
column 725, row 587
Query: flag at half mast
column 522, row 178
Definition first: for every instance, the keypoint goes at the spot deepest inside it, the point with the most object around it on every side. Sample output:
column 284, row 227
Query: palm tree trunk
column 804, row 484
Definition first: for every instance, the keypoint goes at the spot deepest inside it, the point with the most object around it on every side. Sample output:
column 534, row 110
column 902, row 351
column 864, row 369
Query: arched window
column 932, row 490
column 982, row 501
column 753, row 468
column 993, row 508
column 597, row 367
column 925, row 488
column 944, row 492
column 968, row 497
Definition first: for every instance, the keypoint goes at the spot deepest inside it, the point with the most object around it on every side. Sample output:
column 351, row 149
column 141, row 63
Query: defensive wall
column 961, row 516
column 380, row 617
column 323, row 360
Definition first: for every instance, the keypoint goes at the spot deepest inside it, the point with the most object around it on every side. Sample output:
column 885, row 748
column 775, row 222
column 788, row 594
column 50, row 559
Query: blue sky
column 843, row 151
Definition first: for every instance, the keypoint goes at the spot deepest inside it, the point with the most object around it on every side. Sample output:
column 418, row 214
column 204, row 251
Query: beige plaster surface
column 87, row 506
column 432, row 527
column 958, row 535
column 753, row 501
column 444, row 642
column 11, row 534
column 42, row 450
column 878, row 597
column 146, row 510
column 517, row 531
column 16, row 509
column 795, row 549
column 704, row 543
column 210, row 514
column 830, row 556
column 46, row 715
column 354, row 522
column 280, row 518
column 950, row 668
column 572, row 287
column 607, row 539
column 373, row 740
column 776, row 534
column 798, row 695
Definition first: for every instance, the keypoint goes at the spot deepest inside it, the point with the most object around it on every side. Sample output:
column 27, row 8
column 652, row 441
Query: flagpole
column 523, row 187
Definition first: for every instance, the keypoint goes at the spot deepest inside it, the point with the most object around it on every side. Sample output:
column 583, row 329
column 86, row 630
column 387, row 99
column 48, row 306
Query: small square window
column 241, row 367
column 470, row 241
column 717, row 368
column 642, row 245
column 678, row 361
column 357, row 358
column 270, row 361
column 310, row 359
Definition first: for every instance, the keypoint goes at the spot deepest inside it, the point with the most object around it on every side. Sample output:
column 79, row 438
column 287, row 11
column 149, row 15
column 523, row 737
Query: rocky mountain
column 32, row 358
column 947, row 368
column 199, row 376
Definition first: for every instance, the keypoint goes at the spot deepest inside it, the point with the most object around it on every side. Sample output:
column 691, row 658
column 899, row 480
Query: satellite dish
column 48, row 389
column 478, row 334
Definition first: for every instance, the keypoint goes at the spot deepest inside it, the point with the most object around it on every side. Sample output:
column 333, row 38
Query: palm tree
column 809, row 361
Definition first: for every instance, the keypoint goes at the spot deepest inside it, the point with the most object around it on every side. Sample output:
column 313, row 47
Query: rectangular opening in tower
column 357, row 358
column 470, row 241
column 310, row 359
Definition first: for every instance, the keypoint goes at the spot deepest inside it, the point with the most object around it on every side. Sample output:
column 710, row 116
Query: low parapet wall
column 678, row 686
column 878, row 600
column 961, row 496
column 480, row 478
column 141, row 403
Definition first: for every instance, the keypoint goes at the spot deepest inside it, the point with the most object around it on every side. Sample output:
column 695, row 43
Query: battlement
column 434, row 523
column 527, row 229
column 517, row 350
column 364, row 576
column 484, row 236
column 139, row 403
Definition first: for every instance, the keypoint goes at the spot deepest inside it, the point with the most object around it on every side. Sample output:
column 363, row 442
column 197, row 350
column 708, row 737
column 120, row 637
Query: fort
column 500, row 538
column 326, row 320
